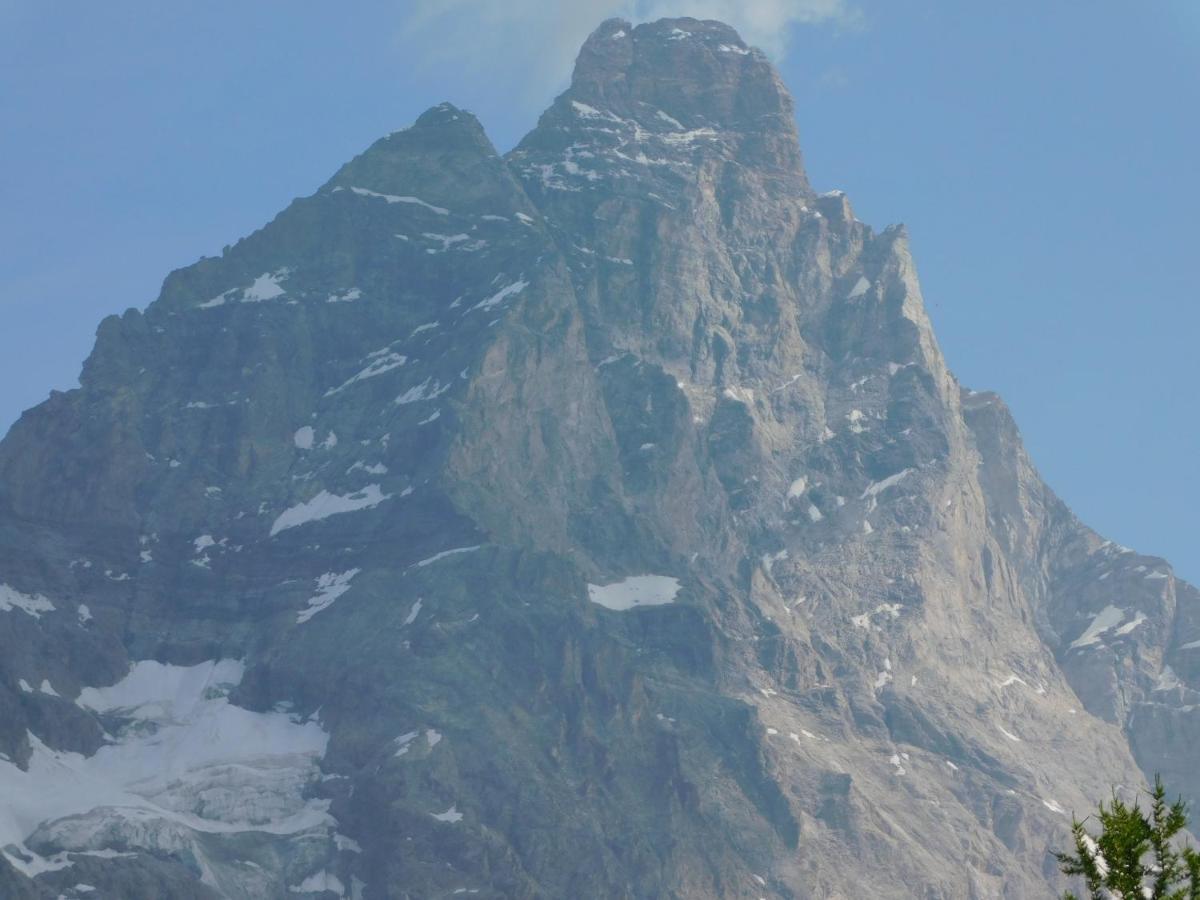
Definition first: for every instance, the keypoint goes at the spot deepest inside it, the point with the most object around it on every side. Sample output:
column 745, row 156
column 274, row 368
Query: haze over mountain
column 600, row 520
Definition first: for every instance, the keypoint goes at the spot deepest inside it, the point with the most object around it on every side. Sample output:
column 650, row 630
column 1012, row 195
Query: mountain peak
column 444, row 155
column 448, row 116
column 663, row 96
column 610, row 502
column 698, row 72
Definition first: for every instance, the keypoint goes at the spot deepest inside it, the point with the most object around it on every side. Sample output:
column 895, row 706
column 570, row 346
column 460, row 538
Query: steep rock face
column 1123, row 628
column 601, row 521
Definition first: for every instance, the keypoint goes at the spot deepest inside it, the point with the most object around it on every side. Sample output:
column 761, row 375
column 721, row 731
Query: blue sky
column 1042, row 155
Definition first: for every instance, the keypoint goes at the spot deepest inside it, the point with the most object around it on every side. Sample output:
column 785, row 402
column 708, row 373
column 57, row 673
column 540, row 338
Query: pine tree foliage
column 1136, row 855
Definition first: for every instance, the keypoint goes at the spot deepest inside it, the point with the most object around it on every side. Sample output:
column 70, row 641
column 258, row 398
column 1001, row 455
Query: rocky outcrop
column 597, row 521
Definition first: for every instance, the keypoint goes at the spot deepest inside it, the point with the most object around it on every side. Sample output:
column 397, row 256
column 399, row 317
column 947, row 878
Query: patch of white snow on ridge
column 585, row 111
column 403, row 741
column 501, row 295
column 383, row 362
column 637, row 590
column 670, row 120
column 439, row 556
column 1012, row 679
column 422, row 391
column 182, row 754
column 414, row 612
column 318, row 883
column 860, row 287
column 326, row 504
column 265, row 287
column 303, row 438
column 446, row 240
column 1008, row 734
column 348, row 296
column 878, row 487
column 31, row 604
column 393, row 198
column 330, row 586
column 1129, row 626
column 1107, row 618
column 1167, row 680
column 451, row 815
column 863, row 620
column 797, row 488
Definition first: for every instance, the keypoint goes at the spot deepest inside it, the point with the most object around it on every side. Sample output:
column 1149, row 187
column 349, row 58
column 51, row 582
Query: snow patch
column 1107, row 618
column 423, row 391
column 326, row 504
column 501, row 295
column 330, row 586
column 446, row 240
column 402, row 742
column 439, row 556
column 1167, row 680
column 372, row 469
column 31, row 604
column 393, row 198
column 264, row 287
column 413, row 613
column 181, row 754
column 589, row 112
column 1008, row 734
column 878, row 487
column 348, row 296
column 860, row 287
column 637, row 590
column 891, row 610
column 319, row 882
column 384, row 362
column 303, row 438
column 1130, row 625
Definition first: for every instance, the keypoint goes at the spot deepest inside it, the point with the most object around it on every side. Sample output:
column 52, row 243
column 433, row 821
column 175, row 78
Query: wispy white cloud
column 540, row 39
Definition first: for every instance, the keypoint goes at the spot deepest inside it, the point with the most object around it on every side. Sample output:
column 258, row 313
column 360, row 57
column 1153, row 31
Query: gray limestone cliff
column 600, row 520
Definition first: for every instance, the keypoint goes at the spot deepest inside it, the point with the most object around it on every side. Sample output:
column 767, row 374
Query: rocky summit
column 596, row 521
